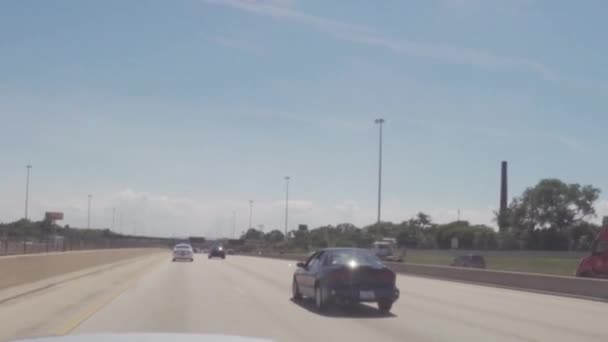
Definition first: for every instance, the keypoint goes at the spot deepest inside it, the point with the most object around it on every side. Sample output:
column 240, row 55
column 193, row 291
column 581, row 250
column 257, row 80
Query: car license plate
column 366, row 295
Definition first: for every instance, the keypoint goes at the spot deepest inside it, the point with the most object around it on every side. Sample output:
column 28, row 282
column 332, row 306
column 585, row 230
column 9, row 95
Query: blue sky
column 176, row 113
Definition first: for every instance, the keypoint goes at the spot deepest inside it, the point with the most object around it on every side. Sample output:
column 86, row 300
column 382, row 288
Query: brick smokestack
column 503, row 193
column 503, row 187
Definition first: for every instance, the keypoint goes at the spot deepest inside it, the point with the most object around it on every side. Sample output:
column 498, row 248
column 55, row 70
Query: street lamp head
column 286, row 177
column 379, row 121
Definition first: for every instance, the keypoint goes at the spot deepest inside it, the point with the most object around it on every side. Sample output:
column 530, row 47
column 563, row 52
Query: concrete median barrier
column 596, row 289
column 23, row 269
column 572, row 286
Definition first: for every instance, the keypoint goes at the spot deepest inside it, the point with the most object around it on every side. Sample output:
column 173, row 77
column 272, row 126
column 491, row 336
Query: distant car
column 183, row 251
column 344, row 276
column 471, row 260
column 595, row 265
column 217, row 252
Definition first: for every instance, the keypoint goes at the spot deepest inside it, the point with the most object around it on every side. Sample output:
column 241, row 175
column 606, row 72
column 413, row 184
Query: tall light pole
column 27, row 189
column 286, row 204
column 250, row 212
column 113, row 217
column 89, row 212
column 234, row 224
column 379, row 122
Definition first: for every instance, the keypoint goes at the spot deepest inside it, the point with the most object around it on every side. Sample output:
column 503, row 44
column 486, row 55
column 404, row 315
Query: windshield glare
column 347, row 257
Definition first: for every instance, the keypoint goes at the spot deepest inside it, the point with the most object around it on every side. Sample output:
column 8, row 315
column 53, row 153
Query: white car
column 183, row 251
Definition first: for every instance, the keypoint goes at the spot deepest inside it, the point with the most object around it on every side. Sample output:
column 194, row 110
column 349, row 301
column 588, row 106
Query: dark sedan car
column 473, row 260
column 343, row 276
column 217, row 252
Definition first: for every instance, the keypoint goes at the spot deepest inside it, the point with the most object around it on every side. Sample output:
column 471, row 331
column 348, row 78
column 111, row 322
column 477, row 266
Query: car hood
column 146, row 337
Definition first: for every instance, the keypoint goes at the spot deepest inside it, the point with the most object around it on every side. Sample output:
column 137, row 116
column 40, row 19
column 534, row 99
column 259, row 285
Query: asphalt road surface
column 251, row 297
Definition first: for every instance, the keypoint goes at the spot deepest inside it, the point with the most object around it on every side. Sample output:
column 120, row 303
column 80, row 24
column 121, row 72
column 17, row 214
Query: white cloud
column 161, row 214
column 367, row 36
column 601, row 209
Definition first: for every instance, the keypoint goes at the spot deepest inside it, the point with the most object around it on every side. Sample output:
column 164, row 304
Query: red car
column 596, row 264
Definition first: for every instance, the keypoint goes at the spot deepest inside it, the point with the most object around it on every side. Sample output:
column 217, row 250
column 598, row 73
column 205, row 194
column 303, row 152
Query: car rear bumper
column 362, row 295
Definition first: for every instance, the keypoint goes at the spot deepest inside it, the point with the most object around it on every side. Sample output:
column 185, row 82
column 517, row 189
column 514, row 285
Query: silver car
column 183, row 251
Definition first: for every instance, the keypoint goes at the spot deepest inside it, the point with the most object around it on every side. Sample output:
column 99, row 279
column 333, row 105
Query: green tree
column 421, row 221
column 553, row 204
column 252, row 234
column 469, row 237
column 381, row 230
column 544, row 216
column 507, row 241
column 274, row 236
column 301, row 239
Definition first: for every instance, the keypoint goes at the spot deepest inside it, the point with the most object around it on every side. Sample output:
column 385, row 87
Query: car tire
column 295, row 291
column 224, row 257
column 173, row 260
column 320, row 302
column 384, row 306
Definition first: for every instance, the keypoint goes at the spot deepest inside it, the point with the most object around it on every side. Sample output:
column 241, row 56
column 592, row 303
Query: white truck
column 386, row 249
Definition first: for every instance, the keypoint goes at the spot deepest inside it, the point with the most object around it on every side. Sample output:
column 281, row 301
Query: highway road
column 251, row 297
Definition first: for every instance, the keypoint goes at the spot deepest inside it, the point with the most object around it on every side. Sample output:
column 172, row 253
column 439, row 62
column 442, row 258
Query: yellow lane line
column 72, row 324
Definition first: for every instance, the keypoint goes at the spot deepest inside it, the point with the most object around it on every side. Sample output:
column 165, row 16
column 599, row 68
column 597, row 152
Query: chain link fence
column 33, row 245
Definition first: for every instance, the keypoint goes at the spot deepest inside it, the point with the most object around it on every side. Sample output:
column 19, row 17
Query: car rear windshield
column 347, row 256
column 183, row 247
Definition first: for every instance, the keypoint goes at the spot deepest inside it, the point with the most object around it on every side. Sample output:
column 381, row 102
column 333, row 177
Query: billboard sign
column 53, row 216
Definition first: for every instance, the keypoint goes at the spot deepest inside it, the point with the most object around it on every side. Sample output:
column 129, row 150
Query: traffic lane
column 251, row 296
column 532, row 315
column 216, row 296
column 440, row 309
column 41, row 312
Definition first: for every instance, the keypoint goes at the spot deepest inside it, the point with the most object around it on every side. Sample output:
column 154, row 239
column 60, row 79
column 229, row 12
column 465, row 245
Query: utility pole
column 89, row 212
column 234, row 223
column 250, row 213
column 27, row 189
column 379, row 122
column 113, row 217
column 286, row 204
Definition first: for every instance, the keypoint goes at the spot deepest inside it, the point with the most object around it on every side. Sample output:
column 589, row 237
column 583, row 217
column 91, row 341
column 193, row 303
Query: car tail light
column 387, row 276
column 340, row 275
